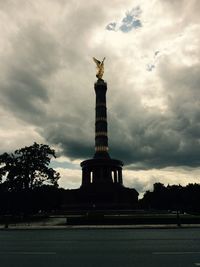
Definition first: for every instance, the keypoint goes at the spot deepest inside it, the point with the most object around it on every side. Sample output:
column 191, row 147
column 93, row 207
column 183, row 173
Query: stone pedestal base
column 101, row 172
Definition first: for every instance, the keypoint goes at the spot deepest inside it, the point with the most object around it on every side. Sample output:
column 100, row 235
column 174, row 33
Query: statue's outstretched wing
column 97, row 61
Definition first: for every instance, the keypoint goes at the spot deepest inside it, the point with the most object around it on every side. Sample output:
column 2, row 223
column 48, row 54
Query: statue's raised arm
column 100, row 67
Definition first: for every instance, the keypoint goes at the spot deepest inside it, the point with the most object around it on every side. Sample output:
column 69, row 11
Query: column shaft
column 101, row 135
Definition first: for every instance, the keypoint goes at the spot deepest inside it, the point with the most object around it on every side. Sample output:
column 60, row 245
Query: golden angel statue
column 100, row 67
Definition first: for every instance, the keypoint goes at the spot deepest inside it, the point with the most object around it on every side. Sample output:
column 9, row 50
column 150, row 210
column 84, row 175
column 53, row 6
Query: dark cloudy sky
column 152, row 68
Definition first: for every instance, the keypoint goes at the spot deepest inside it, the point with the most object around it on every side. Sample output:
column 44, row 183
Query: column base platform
column 101, row 172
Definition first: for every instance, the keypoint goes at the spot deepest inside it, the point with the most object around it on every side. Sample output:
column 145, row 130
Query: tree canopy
column 28, row 168
column 172, row 197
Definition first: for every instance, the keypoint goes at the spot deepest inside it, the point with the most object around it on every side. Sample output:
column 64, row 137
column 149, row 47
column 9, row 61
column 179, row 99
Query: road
column 101, row 247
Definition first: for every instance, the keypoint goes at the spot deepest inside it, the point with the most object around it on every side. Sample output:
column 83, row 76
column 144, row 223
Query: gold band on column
column 100, row 104
column 101, row 119
column 101, row 134
column 101, row 148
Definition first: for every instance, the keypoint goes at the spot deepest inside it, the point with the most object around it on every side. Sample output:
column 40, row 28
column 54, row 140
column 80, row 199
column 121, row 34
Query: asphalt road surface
column 101, row 247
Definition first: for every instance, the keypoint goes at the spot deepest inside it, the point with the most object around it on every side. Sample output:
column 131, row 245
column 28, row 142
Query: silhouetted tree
column 172, row 197
column 28, row 168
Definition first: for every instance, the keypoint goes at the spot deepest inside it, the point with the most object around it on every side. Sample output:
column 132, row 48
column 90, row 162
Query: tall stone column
column 101, row 133
column 101, row 166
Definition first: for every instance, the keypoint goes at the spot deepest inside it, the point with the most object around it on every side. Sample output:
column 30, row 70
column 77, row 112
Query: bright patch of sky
column 64, row 165
column 129, row 22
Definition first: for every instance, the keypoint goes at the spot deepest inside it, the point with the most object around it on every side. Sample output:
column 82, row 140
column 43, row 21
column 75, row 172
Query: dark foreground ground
column 101, row 217
column 101, row 247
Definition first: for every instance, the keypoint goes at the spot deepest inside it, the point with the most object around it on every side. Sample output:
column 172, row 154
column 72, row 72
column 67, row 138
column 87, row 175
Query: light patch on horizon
column 143, row 180
column 70, row 178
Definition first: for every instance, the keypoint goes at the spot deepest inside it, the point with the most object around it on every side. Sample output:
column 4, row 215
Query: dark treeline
column 173, row 198
column 32, row 201
column 48, row 198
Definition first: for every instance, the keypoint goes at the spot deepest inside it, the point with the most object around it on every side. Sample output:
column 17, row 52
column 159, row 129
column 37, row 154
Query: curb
column 95, row 227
